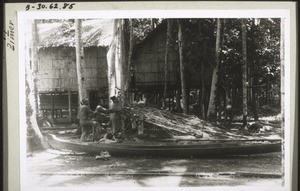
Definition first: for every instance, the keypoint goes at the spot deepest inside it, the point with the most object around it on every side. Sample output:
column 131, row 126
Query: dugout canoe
column 203, row 149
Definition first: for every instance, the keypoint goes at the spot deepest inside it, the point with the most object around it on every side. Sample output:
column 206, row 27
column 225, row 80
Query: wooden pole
column 245, row 82
column 166, row 68
column 182, row 69
column 129, row 65
column 111, row 69
column 70, row 106
column 212, row 105
column 35, row 41
column 52, row 109
column 80, row 61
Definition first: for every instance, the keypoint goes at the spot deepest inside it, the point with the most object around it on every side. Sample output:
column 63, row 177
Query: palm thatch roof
column 95, row 32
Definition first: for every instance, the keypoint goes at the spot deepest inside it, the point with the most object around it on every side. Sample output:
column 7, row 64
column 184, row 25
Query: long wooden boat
column 200, row 149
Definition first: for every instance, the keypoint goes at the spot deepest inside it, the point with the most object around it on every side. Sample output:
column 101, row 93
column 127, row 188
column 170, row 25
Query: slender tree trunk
column 202, row 82
column 254, row 98
column 130, row 43
column 245, row 83
column 166, row 62
column 253, row 76
column 211, row 111
column 111, row 66
column 35, row 41
column 182, row 69
column 80, row 66
column 152, row 23
column 31, row 88
column 203, row 92
column 282, row 62
column 177, row 98
column 129, row 64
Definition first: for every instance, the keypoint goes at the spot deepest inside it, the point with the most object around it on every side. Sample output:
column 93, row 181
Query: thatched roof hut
column 56, row 75
column 95, row 32
column 149, row 59
column 57, row 59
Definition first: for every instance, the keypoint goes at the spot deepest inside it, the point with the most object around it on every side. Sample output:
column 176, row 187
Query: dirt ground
column 62, row 169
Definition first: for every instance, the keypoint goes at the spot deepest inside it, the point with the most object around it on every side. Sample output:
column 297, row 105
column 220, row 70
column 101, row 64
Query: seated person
column 108, row 138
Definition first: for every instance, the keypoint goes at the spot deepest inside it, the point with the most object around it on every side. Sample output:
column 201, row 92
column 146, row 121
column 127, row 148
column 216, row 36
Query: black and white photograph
column 158, row 98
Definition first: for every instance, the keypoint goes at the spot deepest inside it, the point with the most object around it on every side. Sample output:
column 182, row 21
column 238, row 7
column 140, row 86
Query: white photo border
column 21, row 16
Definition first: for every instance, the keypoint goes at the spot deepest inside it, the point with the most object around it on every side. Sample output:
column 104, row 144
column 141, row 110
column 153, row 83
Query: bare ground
column 55, row 168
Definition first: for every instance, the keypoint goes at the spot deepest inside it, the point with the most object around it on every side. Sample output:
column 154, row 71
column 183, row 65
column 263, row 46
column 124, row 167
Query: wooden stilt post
column 169, row 97
column 173, row 93
column 52, row 109
column 70, row 106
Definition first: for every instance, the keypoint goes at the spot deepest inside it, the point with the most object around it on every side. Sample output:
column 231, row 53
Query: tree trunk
column 129, row 64
column 121, row 69
column 80, row 66
column 166, row 62
column 282, row 61
column 182, row 69
column 254, row 98
column 116, row 63
column 211, row 110
column 31, row 119
column 202, row 81
column 152, row 23
column 111, row 66
column 120, row 63
column 35, row 40
column 31, row 87
column 177, row 98
column 202, row 105
column 245, row 83
column 253, row 76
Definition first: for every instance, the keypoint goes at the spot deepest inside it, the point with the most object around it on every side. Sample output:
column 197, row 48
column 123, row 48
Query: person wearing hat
column 85, row 116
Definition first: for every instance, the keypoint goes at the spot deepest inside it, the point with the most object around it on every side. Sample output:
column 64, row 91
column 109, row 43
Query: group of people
column 94, row 120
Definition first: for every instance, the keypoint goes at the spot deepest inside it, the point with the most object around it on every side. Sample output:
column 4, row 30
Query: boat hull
column 165, row 150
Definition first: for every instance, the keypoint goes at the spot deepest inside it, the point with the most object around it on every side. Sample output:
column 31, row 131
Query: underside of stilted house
column 56, row 76
column 149, row 63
